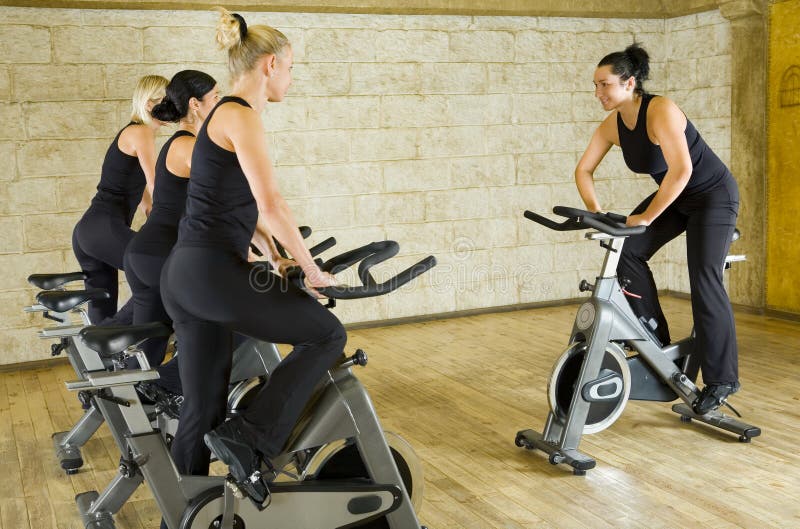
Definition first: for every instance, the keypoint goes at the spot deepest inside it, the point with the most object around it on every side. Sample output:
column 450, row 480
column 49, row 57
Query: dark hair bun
column 184, row 85
column 640, row 61
column 166, row 111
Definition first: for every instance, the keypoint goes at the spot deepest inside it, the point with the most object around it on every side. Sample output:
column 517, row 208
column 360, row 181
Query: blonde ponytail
column 247, row 44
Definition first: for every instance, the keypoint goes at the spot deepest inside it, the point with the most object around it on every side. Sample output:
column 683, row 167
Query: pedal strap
column 227, row 510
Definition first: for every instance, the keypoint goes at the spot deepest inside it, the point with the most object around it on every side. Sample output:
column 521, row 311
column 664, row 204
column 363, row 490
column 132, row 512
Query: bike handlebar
column 367, row 256
column 579, row 219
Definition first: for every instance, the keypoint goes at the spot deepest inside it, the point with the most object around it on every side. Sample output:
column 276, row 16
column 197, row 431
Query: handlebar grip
column 375, row 289
column 579, row 219
column 567, row 225
column 611, row 230
column 382, row 250
column 386, row 251
column 616, row 217
column 328, row 243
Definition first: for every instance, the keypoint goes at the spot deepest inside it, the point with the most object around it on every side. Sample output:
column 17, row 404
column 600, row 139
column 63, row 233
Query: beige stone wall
column 437, row 131
column 699, row 81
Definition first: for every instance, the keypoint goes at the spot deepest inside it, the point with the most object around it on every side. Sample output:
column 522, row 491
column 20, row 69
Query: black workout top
column 169, row 198
column 159, row 233
column 644, row 157
column 121, row 184
column 220, row 209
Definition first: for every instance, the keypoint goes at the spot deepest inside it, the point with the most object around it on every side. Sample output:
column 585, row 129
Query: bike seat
column 111, row 339
column 66, row 300
column 50, row 281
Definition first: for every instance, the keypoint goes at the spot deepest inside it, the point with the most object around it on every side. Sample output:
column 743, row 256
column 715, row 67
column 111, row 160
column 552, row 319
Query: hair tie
column 242, row 25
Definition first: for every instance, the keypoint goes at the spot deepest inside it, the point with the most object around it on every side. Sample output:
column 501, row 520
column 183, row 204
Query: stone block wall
column 436, row 131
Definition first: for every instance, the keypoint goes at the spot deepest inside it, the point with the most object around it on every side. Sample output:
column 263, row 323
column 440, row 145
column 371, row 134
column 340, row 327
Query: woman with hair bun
column 127, row 179
column 190, row 96
column 696, row 194
column 206, row 283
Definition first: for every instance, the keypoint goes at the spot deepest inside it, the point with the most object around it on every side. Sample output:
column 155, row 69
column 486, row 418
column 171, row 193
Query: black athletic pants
column 99, row 241
column 708, row 219
column 210, row 293
column 143, row 272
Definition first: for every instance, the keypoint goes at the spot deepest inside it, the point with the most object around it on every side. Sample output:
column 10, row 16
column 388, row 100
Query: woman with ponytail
column 127, row 179
column 696, row 194
column 190, row 96
column 206, row 283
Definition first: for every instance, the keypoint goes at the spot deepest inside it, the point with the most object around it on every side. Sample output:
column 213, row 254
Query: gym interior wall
column 436, row 129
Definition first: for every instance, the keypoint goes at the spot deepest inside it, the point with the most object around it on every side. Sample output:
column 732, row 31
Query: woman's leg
column 636, row 252
column 143, row 272
column 220, row 290
column 205, row 366
column 708, row 238
column 99, row 275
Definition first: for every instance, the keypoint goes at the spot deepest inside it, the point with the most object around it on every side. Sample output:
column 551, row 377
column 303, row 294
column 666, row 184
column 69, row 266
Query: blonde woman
column 205, row 283
column 127, row 179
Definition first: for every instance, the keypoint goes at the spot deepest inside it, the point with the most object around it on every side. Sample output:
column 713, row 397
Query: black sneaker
column 231, row 446
column 713, row 396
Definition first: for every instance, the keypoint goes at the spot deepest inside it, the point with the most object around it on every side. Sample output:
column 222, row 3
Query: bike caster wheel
column 521, row 442
column 686, row 418
column 578, row 472
column 71, row 471
column 556, row 458
column 744, row 439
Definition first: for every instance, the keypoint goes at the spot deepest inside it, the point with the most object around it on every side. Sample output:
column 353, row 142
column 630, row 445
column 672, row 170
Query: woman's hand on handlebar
column 637, row 220
column 318, row 279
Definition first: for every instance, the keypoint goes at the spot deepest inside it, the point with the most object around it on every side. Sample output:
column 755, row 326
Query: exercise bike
column 337, row 459
column 252, row 362
column 613, row 356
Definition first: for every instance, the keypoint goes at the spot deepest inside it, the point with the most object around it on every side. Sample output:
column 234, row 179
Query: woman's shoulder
column 136, row 132
column 182, row 144
column 662, row 105
column 133, row 137
column 233, row 108
column 608, row 127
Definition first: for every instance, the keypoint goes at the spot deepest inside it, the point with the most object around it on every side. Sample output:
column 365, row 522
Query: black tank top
column 121, row 184
column 220, row 208
column 160, row 231
column 644, row 157
column 169, row 198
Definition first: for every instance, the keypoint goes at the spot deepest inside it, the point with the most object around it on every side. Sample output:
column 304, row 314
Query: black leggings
column 99, row 241
column 143, row 272
column 708, row 219
column 209, row 295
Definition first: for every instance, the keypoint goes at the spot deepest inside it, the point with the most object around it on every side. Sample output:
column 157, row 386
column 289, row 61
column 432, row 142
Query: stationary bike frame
column 342, row 411
column 606, row 321
column 252, row 362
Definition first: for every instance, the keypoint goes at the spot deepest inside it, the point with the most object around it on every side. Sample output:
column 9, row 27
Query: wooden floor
column 459, row 390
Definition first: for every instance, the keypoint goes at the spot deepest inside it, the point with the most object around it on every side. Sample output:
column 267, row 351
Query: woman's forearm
column 263, row 240
column 584, row 180
column 671, row 187
column 279, row 221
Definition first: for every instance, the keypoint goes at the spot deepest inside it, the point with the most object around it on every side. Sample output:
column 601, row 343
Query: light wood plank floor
column 459, row 390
